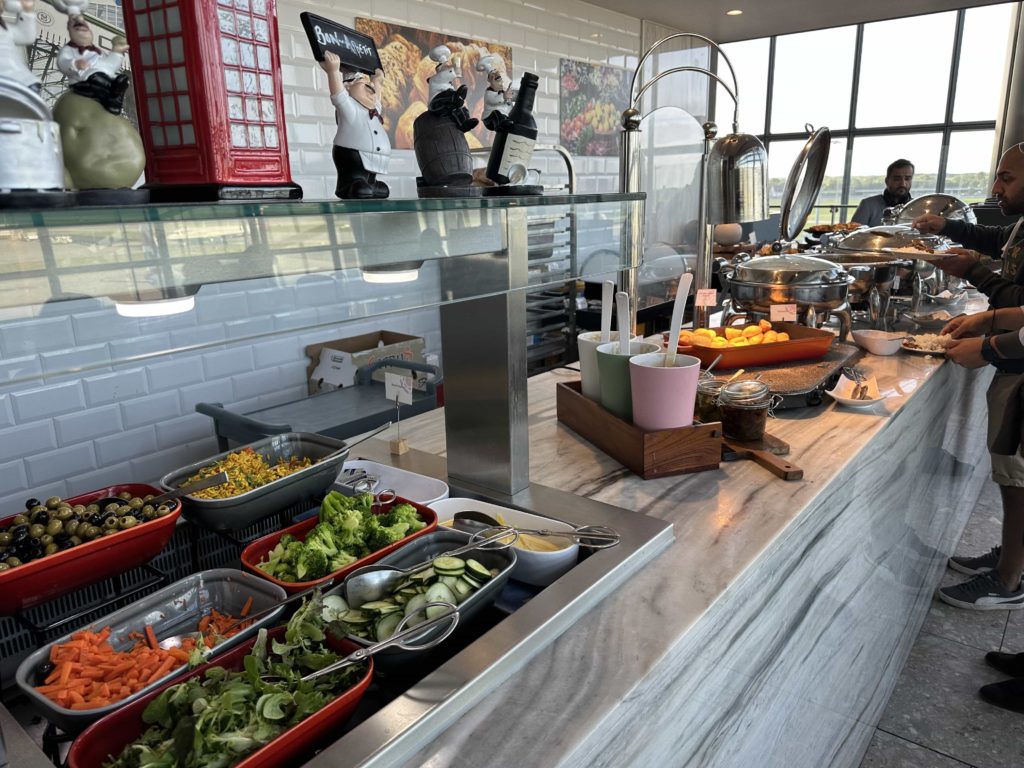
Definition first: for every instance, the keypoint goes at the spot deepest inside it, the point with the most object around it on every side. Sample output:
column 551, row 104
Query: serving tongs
column 199, row 485
column 373, row 582
column 174, row 641
column 400, row 639
column 590, row 536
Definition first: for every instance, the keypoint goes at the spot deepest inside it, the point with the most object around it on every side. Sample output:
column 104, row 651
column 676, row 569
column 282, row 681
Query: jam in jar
column 744, row 406
column 707, row 400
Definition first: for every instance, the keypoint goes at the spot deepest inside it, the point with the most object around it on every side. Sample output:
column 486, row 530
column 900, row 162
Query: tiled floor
column 935, row 718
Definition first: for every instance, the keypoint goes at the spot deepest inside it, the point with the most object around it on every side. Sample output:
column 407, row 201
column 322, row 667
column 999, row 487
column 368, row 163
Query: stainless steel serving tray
column 173, row 610
column 429, row 546
column 241, row 510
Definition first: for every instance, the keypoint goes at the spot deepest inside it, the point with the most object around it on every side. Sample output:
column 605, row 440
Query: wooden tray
column 648, row 454
column 804, row 344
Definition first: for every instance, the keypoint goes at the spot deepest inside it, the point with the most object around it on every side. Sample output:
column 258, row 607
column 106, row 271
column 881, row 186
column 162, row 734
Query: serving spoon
column 207, row 482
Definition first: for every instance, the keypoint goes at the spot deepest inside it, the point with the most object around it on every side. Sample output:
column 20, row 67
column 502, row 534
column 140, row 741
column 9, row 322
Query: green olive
column 36, row 530
column 92, row 509
column 5, row 539
column 13, row 562
column 51, row 548
column 54, row 527
column 4, row 567
column 162, row 510
column 91, row 532
column 111, row 530
column 78, row 509
column 110, row 523
column 53, row 502
column 128, row 521
column 19, row 520
column 136, row 503
column 124, row 509
column 71, row 527
column 46, row 539
column 37, row 509
column 124, row 495
column 148, row 496
column 111, row 508
column 75, row 541
column 66, row 513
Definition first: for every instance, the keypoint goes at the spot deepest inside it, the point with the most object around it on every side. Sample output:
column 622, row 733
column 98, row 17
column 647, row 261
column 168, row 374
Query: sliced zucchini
column 414, row 609
column 449, row 566
column 478, row 571
column 425, row 575
column 439, row 593
column 380, row 606
column 386, row 626
column 463, row 589
column 356, row 618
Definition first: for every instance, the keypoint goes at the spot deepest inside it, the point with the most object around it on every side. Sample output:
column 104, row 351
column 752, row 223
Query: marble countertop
column 724, row 520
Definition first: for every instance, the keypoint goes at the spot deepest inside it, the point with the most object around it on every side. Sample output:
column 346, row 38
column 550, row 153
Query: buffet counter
column 772, row 630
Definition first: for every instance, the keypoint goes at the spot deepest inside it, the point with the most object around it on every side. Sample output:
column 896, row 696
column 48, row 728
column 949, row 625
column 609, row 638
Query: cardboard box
column 333, row 364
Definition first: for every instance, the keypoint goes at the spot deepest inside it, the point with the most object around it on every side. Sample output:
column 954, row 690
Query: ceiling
column 762, row 18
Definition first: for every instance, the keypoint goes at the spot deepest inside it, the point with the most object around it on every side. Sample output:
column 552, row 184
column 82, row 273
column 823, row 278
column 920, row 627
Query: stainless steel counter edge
column 392, row 736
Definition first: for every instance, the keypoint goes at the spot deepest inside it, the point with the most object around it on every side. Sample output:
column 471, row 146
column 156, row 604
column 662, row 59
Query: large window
column 926, row 88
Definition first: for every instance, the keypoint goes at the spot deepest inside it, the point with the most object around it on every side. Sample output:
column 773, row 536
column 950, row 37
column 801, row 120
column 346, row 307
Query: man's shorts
column 1006, row 470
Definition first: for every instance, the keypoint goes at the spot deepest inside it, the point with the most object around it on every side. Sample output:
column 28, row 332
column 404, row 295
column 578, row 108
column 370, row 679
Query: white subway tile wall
column 89, row 398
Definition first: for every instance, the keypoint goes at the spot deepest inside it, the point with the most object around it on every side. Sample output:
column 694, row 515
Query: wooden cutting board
column 768, row 452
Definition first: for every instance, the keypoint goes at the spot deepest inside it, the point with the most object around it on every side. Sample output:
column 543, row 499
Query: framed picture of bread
column 405, row 55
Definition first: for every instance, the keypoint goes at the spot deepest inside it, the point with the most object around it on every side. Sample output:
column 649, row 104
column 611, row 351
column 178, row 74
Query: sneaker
column 1008, row 694
column 972, row 566
column 984, row 592
column 1011, row 664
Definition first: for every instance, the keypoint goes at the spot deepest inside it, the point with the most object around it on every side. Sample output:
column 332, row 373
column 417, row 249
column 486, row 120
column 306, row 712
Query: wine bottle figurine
column 514, row 139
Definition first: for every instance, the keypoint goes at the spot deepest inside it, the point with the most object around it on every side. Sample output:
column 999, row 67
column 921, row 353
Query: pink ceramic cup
column 663, row 398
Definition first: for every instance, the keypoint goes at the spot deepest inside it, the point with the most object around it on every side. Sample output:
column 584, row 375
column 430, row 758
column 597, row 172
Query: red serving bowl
column 804, row 344
column 106, row 738
column 62, row 572
column 257, row 552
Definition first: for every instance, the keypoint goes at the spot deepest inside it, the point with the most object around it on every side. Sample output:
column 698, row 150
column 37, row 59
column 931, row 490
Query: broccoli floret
column 382, row 536
column 312, row 564
column 341, row 560
column 403, row 513
column 322, row 537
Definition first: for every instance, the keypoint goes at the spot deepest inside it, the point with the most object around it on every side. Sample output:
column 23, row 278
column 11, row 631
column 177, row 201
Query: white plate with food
column 927, row 343
column 856, row 394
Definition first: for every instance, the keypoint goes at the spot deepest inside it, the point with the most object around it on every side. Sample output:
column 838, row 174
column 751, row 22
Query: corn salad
column 247, row 470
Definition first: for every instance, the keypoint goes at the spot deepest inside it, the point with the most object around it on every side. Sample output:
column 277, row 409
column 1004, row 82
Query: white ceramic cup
column 588, row 341
column 663, row 398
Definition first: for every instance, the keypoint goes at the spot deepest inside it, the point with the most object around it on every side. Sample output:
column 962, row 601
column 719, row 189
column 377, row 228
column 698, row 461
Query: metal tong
column 860, row 387
column 590, row 536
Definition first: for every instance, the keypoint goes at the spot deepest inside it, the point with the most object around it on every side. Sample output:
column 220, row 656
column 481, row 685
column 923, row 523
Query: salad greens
column 215, row 720
column 347, row 530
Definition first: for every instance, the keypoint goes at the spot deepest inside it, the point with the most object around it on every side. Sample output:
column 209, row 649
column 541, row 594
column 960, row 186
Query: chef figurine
column 91, row 71
column 13, row 62
column 361, row 146
column 444, row 98
column 496, row 98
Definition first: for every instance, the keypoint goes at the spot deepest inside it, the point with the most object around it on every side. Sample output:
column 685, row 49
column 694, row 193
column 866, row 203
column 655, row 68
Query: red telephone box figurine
column 207, row 78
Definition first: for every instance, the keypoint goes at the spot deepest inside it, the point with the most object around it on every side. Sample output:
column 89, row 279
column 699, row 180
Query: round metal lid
column 885, row 237
column 938, row 204
column 789, row 269
column 744, row 392
column 804, row 183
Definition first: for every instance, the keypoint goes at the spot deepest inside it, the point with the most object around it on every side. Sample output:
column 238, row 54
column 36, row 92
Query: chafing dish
column 937, row 204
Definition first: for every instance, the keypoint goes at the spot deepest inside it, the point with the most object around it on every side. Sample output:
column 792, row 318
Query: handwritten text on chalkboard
column 356, row 50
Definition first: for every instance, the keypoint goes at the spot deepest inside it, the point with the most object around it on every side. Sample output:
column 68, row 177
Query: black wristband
column 988, row 354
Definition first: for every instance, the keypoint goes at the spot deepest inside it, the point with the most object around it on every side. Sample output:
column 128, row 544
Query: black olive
column 37, row 509
column 62, row 536
column 19, row 533
column 65, row 545
column 36, row 530
column 43, row 670
column 31, row 503
column 41, row 517
column 96, row 519
column 53, row 502
column 19, row 520
column 4, row 554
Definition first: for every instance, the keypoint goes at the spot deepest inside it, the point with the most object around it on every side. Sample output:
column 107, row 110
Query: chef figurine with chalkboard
column 361, row 145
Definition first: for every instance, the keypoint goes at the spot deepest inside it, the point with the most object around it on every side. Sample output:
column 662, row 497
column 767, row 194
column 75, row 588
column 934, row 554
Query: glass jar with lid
column 706, row 407
column 744, row 406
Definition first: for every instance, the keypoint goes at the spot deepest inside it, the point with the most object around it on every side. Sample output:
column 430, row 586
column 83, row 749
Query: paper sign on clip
column 782, row 313
column 706, row 297
column 398, row 387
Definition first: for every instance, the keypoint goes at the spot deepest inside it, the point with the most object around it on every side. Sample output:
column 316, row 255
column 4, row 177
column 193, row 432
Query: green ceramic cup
column 613, row 369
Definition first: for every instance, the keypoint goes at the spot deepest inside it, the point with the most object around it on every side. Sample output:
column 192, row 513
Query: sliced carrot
column 151, row 638
column 246, row 608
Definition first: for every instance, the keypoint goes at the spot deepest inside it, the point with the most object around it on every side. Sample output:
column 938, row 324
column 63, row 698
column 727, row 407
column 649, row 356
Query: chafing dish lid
column 804, row 183
column 880, row 238
column 790, row 269
column 946, row 206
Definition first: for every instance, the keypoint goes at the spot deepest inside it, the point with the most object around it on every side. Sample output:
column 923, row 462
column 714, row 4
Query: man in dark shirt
column 899, row 176
column 997, row 575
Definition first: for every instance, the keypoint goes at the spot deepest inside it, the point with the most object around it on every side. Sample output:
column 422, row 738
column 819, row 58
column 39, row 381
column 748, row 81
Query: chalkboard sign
column 357, row 51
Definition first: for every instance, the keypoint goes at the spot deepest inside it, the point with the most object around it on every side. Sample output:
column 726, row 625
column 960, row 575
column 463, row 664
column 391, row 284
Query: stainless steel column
column 484, row 346
column 1011, row 127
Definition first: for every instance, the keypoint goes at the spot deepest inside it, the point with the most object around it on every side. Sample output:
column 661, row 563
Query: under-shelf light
column 402, row 272
column 159, row 308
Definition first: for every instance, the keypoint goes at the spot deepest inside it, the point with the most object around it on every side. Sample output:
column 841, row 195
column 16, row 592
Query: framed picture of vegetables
column 591, row 100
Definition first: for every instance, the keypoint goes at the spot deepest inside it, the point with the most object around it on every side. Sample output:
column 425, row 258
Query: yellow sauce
column 529, row 541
